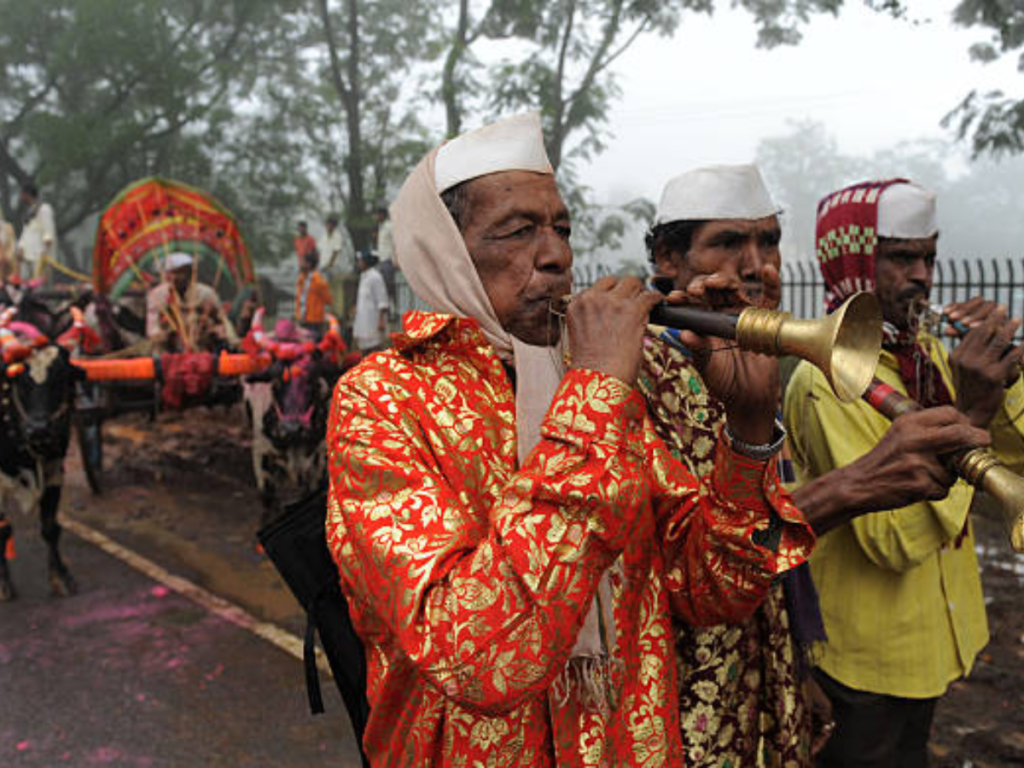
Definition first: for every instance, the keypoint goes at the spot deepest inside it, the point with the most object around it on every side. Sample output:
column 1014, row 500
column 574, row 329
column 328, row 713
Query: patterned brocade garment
column 739, row 682
column 468, row 579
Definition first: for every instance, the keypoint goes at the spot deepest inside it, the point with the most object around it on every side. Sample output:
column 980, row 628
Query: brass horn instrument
column 978, row 466
column 843, row 345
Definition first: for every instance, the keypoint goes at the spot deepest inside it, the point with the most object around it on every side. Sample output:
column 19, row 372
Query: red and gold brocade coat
column 469, row 577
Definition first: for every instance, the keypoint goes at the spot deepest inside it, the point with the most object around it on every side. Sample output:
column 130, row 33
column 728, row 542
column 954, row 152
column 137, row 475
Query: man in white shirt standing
column 39, row 236
column 339, row 266
column 337, row 247
column 372, row 306
column 385, row 250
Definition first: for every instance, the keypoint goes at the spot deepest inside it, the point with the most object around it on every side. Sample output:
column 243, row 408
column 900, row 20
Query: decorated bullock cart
column 139, row 230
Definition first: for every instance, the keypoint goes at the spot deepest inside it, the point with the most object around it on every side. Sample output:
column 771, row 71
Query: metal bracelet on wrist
column 761, row 452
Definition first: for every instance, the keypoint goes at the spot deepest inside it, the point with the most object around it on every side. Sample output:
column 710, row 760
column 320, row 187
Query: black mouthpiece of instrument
column 700, row 321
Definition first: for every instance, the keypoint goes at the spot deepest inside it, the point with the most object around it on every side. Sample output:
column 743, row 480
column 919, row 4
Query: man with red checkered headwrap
column 900, row 591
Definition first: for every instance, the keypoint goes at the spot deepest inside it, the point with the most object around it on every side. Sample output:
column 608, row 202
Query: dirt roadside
column 180, row 491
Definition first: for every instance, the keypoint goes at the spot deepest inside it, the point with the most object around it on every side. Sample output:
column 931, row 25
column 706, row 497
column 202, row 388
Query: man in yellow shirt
column 900, row 591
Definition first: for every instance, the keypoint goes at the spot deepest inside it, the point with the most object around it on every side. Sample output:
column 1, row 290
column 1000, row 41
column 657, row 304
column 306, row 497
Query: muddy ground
column 180, row 490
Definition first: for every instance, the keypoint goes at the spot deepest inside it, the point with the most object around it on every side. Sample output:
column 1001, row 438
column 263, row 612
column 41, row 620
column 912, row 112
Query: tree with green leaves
column 98, row 93
column 993, row 120
column 365, row 52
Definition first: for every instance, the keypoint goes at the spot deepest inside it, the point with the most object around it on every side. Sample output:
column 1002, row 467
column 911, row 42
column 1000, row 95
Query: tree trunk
column 557, row 137
column 358, row 216
column 453, row 114
column 346, row 85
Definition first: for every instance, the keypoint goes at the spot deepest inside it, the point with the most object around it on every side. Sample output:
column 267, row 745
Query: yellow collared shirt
column 902, row 602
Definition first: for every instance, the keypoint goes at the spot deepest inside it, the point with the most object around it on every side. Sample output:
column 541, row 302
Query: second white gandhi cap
column 716, row 192
column 513, row 144
column 907, row 211
column 177, row 260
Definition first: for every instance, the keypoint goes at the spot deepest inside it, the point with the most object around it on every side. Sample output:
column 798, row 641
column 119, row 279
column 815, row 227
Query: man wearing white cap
column 716, row 237
column 511, row 534
column 38, row 239
column 183, row 314
column 900, row 590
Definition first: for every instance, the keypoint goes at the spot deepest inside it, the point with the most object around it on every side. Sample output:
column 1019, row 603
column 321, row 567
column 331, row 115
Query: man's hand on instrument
column 986, row 362
column 748, row 384
column 726, row 291
column 907, row 465
column 606, row 325
column 972, row 313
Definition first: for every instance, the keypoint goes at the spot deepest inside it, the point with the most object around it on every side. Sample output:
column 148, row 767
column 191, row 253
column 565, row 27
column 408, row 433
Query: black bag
column 297, row 545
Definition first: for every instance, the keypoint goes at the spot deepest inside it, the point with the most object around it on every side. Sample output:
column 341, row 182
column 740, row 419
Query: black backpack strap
column 316, row 699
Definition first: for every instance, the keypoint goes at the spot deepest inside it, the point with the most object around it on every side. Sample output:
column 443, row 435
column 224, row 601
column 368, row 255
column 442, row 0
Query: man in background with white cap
column 900, row 590
column 716, row 237
column 38, row 240
column 183, row 314
column 511, row 533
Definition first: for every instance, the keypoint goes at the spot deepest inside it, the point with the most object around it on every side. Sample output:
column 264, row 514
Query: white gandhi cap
column 513, row 144
column 177, row 260
column 714, row 193
column 907, row 211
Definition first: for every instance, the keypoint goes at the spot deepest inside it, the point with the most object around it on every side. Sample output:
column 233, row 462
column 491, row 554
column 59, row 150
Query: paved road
column 129, row 673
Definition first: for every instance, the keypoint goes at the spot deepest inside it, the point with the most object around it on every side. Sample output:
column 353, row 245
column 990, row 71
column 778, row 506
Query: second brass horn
column 843, row 345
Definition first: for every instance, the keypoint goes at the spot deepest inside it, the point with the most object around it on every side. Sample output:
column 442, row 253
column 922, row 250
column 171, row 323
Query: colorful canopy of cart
column 154, row 217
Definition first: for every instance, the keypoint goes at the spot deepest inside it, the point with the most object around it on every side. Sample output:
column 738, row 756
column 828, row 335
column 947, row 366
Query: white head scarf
column 432, row 255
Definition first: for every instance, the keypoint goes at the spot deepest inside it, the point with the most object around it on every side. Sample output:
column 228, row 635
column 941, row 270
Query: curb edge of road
column 219, row 606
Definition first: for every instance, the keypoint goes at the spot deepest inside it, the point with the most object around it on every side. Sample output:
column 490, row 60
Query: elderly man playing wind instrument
column 183, row 314
column 900, row 589
column 716, row 237
column 512, row 534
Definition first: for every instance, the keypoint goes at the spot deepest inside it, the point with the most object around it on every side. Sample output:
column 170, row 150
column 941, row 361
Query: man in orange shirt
column 304, row 242
column 312, row 295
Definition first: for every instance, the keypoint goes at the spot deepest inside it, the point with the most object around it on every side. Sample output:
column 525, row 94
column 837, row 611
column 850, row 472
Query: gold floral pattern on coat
column 468, row 577
column 740, row 702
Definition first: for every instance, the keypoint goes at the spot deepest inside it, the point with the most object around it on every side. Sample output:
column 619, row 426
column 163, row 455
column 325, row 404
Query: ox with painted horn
column 287, row 404
column 37, row 389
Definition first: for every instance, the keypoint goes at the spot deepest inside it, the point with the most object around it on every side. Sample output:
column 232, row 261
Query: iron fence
column 803, row 291
column 997, row 279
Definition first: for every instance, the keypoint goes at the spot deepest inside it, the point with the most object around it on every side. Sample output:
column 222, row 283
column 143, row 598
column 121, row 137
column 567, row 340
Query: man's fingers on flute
column 962, row 310
column 604, row 284
column 651, row 299
column 942, row 477
column 954, row 437
column 628, row 287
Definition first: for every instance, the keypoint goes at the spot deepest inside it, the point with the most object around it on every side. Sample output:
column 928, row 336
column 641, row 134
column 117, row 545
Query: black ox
column 287, row 406
column 36, row 403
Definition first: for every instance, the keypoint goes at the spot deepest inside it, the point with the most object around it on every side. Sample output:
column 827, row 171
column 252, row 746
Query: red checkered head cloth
column 847, row 238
